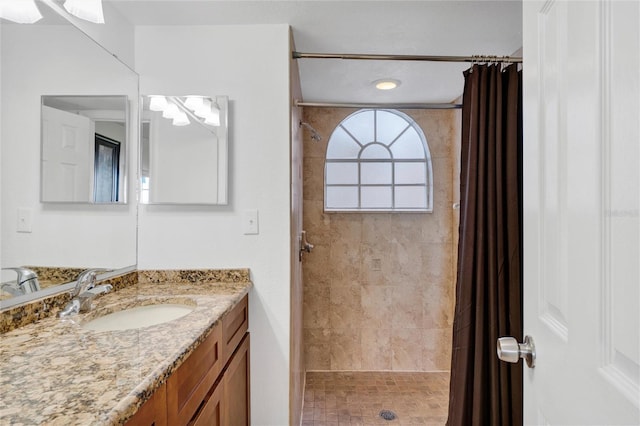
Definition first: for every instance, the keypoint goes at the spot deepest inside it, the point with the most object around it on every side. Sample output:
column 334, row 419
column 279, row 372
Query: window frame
column 425, row 160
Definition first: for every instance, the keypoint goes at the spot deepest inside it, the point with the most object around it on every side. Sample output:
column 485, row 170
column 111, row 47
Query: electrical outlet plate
column 24, row 220
column 250, row 222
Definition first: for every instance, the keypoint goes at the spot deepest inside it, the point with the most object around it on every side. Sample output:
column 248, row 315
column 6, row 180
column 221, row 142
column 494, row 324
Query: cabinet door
column 153, row 412
column 211, row 412
column 188, row 386
column 236, row 387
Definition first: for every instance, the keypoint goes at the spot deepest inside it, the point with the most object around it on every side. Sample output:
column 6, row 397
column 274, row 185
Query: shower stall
column 379, row 289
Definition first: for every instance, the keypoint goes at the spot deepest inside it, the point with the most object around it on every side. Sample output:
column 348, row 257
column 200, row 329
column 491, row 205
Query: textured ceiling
column 388, row 27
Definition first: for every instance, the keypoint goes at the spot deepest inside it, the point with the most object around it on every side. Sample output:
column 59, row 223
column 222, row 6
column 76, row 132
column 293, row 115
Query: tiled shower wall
column 378, row 287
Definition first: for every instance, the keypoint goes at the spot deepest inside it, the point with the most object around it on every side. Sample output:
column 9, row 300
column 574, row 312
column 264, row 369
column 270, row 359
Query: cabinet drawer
column 234, row 326
column 191, row 382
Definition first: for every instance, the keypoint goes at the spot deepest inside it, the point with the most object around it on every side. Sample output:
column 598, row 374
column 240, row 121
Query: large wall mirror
column 183, row 150
column 51, row 63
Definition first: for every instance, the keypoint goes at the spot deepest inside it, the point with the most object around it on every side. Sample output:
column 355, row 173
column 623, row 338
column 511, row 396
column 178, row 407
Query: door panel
column 581, row 211
column 67, row 148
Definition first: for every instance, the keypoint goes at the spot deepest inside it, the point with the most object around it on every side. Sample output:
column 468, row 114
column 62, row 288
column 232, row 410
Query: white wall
column 57, row 60
column 183, row 162
column 250, row 64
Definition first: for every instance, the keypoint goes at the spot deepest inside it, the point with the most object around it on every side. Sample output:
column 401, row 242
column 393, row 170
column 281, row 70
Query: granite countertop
column 55, row 372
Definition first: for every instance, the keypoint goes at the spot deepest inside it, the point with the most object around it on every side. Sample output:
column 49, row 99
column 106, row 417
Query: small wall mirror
column 83, row 149
column 183, row 149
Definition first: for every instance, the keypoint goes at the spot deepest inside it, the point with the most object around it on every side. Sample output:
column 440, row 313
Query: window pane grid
column 399, row 135
column 375, row 160
column 350, row 134
column 417, row 185
column 375, row 188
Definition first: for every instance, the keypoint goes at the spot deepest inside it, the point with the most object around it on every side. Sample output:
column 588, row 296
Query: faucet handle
column 27, row 280
column 23, row 273
column 86, row 281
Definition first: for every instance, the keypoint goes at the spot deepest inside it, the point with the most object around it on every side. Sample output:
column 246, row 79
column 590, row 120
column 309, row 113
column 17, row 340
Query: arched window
column 378, row 160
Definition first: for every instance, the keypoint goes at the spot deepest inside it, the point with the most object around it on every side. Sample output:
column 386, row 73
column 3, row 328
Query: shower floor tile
column 357, row 398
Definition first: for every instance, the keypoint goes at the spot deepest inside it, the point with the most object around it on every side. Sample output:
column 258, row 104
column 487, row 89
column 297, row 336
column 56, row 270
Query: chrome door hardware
column 305, row 246
column 510, row 350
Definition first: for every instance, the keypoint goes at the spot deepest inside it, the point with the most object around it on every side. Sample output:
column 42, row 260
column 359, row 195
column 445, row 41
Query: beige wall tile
column 346, row 228
column 376, row 266
column 313, row 179
column 315, row 266
column 376, row 349
column 317, row 303
column 436, row 261
column 317, row 352
column 316, row 222
column 407, row 305
column 345, row 308
column 438, row 305
column 389, row 277
column 437, row 227
column 344, row 262
column 346, row 350
column 377, row 307
column 407, row 344
column 407, row 266
column 436, row 349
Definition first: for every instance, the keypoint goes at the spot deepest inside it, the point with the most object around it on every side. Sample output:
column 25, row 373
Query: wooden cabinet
column 188, row 386
column 235, row 400
column 211, row 412
column 211, row 387
column 234, row 327
column 154, row 411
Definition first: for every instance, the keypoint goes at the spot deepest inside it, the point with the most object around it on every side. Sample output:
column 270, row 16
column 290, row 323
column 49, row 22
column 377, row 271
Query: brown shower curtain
column 483, row 390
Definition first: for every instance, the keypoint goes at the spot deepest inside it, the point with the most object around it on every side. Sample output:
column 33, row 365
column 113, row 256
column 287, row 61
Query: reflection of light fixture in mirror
column 171, row 111
column 181, row 119
column 187, row 109
column 89, row 10
column 20, row 11
column 157, row 103
column 193, row 102
column 204, row 110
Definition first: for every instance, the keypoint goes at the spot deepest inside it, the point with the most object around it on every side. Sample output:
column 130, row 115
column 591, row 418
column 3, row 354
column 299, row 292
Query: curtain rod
column 374, row 105
column 377, row 57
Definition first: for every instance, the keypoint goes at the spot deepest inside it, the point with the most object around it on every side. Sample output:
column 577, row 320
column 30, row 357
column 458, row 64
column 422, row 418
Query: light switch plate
column 24, row 220
column 250, row 222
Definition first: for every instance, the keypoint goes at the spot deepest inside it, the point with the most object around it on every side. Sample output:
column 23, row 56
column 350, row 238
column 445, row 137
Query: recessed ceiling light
column 386, row 84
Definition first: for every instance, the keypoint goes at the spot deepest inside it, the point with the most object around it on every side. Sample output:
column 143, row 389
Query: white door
column 67, row 156
column 581, row 211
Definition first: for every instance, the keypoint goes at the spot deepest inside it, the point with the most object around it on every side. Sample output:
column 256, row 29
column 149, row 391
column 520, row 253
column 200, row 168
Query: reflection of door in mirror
column 65, row 156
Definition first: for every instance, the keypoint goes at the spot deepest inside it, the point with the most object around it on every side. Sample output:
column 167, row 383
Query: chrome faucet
column 27, row 282
column 84, row 292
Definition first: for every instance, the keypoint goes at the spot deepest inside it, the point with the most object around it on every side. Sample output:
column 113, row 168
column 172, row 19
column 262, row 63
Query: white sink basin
column 138, row 317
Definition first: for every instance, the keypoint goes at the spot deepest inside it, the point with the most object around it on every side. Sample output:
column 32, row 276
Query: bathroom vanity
column 211, row 387
column 191, row 370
